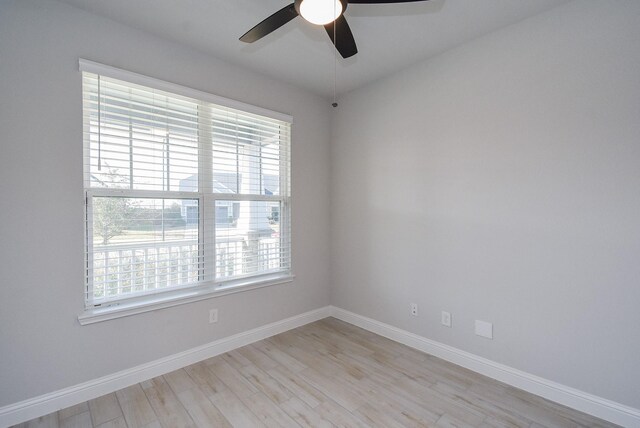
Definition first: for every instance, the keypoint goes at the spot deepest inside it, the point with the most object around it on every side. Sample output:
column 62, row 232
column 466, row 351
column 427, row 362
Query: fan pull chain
column 335, row 58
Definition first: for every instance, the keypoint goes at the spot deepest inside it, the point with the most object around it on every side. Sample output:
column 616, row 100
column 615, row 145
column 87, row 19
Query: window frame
column 203, row 289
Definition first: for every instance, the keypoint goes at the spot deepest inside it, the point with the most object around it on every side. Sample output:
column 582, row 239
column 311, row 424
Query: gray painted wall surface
column 42, row 346
column 500, row 181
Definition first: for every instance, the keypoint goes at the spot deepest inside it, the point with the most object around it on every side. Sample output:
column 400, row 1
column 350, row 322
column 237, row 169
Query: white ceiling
column 390, row 37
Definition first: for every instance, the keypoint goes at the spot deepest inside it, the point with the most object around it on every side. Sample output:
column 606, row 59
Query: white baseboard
column 576, row 399
column 47, row 403
column 570, row 397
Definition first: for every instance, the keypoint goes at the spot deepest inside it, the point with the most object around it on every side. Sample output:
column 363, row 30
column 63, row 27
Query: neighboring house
column 226, row 212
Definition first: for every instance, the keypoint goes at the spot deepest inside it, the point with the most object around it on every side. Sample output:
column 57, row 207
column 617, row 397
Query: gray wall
column 42, row 346
column 501, row 181
column 498, row 181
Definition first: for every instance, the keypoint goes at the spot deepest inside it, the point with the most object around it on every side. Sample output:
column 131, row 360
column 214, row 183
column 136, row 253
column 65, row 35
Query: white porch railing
column 125, row 270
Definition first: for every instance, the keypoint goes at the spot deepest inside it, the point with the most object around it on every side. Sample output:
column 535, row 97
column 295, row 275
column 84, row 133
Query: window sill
column 177, row 297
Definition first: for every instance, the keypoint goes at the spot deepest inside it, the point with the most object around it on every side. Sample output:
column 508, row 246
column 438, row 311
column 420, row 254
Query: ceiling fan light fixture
column 320, row 12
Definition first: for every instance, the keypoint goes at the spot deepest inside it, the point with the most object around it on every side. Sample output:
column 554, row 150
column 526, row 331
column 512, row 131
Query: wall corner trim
column 588, row 403
column 44, row 404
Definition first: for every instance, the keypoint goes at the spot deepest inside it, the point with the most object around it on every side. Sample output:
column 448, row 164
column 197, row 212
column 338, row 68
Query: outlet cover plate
column 213, row 316
column 414, row 309
column 445, row 319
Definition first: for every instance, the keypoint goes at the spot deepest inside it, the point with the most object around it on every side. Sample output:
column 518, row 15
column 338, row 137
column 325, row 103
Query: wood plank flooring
column 325, row 374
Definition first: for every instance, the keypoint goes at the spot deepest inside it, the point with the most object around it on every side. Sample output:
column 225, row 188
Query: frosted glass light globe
column 320, row 12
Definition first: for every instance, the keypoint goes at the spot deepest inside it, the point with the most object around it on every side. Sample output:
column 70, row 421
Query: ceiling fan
column 328, row 13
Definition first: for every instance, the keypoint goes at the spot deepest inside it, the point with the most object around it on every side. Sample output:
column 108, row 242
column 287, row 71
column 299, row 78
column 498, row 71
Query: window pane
column 140, row 138
column 247, row 238
column 248, row 154
column 225, row 167
column 143, row 244
column 271, row 163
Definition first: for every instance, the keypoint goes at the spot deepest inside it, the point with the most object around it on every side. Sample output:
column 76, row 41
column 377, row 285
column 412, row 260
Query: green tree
column 111, row 216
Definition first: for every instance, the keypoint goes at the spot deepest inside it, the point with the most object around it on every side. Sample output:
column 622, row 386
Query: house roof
column 228, row 183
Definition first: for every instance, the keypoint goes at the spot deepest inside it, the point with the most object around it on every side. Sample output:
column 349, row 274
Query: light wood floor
column 325, row 374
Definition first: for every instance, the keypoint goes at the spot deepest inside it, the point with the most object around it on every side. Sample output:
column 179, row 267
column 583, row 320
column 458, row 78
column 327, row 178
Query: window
column 182, row 193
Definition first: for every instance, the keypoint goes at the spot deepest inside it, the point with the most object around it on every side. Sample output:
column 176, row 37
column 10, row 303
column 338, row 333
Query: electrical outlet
column 445, row 319
column 414, row 309
column 213, row 316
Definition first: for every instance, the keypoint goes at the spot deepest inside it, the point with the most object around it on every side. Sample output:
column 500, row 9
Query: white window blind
column 180, row 192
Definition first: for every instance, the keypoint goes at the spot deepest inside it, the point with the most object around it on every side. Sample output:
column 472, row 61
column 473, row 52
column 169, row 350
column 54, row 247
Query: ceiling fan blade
column 345, row 44
column 270, row 24
column 381, row 1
